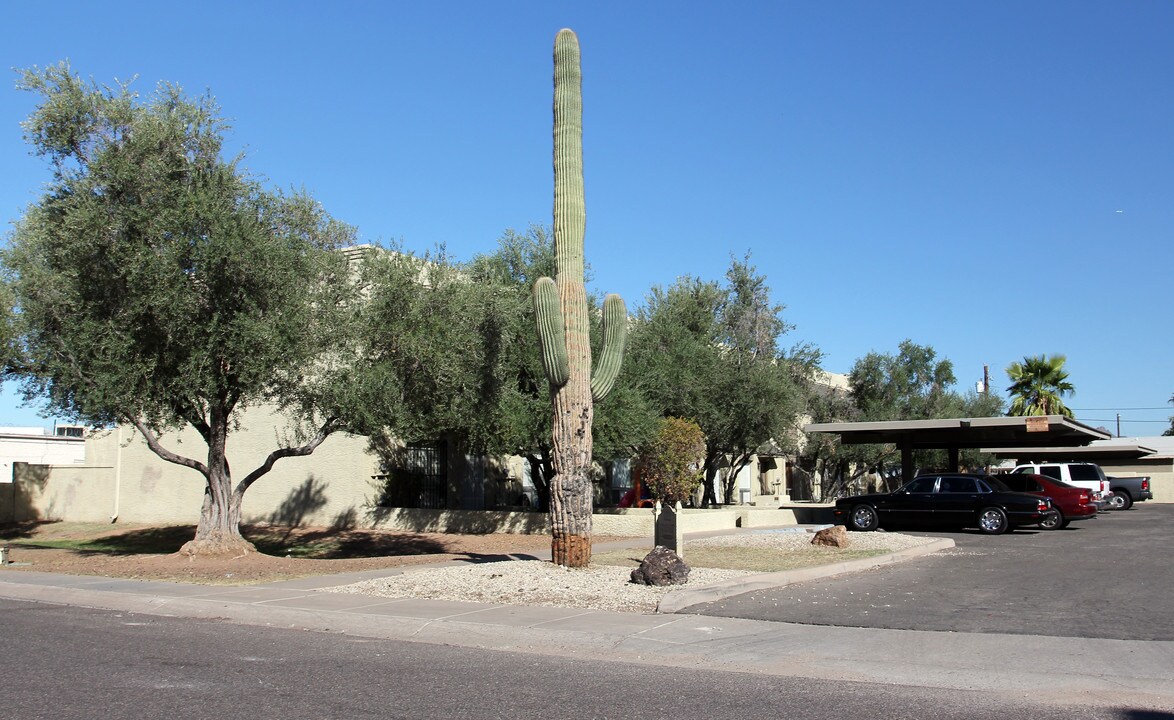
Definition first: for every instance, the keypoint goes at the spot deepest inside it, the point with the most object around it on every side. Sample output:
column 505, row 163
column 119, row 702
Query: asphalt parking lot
column 1110, row 577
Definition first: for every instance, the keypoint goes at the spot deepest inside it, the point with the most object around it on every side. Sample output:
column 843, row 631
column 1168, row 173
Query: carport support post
column 906, row 459
column 953, row 459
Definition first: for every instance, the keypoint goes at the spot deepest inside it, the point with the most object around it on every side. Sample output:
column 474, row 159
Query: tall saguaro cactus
column 560, row 306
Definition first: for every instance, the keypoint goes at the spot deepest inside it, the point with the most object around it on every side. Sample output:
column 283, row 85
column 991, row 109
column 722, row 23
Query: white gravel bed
column 599, row 587
column 531, row 582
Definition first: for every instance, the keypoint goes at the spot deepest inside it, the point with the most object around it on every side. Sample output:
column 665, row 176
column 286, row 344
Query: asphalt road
column 73, row 663
column 1111, row 577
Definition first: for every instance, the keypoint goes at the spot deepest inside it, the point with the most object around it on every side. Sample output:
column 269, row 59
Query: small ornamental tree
column 672, row 462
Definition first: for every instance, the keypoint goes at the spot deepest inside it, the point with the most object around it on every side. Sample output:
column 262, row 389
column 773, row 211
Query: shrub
column 671, row 463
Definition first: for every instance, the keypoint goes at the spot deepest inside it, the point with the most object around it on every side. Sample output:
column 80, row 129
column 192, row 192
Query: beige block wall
column 333, row 483
column 77, row 493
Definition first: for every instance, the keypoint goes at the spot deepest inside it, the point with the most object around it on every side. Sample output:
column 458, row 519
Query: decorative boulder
column 835, row 536
column 661, row 567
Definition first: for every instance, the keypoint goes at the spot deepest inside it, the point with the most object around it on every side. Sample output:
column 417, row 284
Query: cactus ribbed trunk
column 562, row 323
column 561, row 314
column 571, row 496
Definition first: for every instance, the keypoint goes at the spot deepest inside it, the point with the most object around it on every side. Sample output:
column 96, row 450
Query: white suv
column 1084, row 475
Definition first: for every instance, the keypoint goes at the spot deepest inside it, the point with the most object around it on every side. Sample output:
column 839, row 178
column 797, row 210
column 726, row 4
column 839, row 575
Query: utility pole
column 1118, row 424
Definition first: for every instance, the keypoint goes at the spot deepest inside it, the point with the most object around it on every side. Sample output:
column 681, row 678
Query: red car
column 1068, row 501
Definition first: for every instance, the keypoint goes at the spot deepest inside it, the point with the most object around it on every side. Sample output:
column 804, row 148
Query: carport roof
column 1001, row 432
column 1114, row 449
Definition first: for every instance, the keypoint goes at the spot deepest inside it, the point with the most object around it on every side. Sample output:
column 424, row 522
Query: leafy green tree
column 912, row 384
column 9, row 351
column 157, row 284
column 1038, row 386
column 623, row 419
column 434, row 352
column 710, row 352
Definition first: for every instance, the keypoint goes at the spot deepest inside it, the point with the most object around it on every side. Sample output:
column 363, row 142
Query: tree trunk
column 709, row 498
column 219, row 530
column 541, row 473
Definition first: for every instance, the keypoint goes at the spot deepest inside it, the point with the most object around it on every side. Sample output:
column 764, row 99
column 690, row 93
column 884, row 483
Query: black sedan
column 945, row 499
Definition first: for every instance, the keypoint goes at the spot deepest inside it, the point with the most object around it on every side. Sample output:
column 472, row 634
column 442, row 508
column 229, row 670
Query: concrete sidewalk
column 1106, row 673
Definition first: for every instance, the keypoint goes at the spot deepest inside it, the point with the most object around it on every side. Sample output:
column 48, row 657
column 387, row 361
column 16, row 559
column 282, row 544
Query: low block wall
column 811, row 513
column 460, row 521
column 618, row 523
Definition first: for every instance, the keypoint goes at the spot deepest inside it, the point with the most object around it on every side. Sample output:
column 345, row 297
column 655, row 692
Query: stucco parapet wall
column 620, row 522
column 751, row 516
column 636, row 522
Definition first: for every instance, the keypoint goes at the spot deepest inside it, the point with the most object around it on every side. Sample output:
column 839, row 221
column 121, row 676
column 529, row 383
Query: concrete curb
column 678, row 600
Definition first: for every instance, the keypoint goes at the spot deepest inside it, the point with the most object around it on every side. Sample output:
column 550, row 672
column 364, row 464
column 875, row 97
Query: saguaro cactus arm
column 552, row 341
column 615, row 332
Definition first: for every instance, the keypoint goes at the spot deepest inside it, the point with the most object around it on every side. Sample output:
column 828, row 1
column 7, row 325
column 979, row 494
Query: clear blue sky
column 993, row 179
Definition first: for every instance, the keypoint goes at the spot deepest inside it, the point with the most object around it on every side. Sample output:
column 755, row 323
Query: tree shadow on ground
column 16, row 531
column 315, row 543
column 162, row 540
column 340, row 544
column 478, row 558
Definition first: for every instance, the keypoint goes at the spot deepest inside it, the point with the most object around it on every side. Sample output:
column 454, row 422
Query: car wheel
column 992, row 521
column 863, row 518
column 1121, row 500
column 1053, row 520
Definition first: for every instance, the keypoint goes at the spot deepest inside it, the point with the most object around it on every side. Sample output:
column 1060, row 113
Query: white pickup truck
column 1084, row 475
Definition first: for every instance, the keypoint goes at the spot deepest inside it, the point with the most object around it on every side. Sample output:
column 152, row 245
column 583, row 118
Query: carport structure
column 954, row 434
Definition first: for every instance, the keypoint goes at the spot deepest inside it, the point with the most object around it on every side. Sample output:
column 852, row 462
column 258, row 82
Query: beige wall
column 124, row 481
column 57, row 492
column 1160, row 472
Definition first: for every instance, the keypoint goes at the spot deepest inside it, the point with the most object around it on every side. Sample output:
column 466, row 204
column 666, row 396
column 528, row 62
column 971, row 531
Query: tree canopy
column 911, row 384
column 156, row 283
column 710, row 352
column 522, row 407
column 1038, row 386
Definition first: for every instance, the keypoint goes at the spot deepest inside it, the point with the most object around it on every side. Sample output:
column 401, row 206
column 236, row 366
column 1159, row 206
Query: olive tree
column 155, row 283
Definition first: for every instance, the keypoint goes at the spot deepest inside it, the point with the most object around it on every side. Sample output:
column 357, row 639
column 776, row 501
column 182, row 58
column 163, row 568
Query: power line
column 1114, row 409
column 1124, row 420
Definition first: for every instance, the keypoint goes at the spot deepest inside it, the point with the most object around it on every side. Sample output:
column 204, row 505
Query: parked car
column 1128, row 490
column 1080, row 474
column 1068, row 501
column 945, row 499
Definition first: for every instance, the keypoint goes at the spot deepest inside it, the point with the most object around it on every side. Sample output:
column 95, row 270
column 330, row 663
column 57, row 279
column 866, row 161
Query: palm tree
column 1038, row 385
